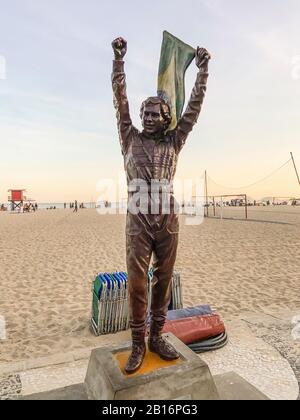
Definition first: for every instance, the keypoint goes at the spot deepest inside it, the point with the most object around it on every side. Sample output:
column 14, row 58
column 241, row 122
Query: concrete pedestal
column 187, row 378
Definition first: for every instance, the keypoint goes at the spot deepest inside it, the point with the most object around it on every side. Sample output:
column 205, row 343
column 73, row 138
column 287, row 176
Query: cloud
column 36, row 96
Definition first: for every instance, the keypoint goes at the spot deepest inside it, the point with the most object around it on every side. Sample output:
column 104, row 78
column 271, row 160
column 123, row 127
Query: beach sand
column 48, row 260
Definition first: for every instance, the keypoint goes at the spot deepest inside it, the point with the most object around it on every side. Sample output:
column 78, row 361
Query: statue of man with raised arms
column 151, row 156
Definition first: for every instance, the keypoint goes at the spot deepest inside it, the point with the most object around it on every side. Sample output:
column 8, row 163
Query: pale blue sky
column 57, row 123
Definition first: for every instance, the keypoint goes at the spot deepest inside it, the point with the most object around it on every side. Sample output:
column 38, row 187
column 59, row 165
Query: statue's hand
column 119, row 46
column 202, row 58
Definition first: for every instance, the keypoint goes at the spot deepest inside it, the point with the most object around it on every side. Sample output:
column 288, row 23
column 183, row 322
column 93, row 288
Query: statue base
column 187, row 378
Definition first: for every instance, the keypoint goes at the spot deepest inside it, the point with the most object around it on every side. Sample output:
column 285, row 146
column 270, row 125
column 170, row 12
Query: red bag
column 193, row 329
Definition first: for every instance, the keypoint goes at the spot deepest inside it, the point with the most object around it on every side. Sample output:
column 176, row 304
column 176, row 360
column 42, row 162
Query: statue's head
column 155, row 115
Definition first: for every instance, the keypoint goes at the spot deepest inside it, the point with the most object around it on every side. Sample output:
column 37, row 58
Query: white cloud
column 37, row 96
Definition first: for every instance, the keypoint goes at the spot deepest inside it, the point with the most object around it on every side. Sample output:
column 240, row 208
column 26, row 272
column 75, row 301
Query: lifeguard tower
column 16, row 198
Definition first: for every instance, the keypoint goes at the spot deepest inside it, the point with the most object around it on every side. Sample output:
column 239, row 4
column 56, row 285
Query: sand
column 48, row 260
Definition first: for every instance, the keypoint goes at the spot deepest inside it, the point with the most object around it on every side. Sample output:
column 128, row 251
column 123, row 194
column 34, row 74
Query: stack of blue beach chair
column 110, row 312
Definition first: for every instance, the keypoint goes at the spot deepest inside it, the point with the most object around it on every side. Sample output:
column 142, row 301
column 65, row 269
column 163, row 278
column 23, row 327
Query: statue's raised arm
column 119, row 46
column 191, row 114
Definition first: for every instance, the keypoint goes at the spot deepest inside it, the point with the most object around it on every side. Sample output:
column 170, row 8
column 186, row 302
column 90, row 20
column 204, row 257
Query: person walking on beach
column 75, row 207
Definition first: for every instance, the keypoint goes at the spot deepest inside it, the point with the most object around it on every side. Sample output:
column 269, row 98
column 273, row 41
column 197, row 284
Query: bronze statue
column 152, row 155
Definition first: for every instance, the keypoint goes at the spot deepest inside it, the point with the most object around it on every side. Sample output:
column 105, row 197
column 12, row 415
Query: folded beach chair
column 176, row 299
column 110, row 311
column 202, row 333
column 189, row 312
column 210, row 344
column 193, row 329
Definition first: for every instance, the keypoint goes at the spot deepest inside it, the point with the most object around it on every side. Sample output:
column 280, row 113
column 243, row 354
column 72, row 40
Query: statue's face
column 152, row 119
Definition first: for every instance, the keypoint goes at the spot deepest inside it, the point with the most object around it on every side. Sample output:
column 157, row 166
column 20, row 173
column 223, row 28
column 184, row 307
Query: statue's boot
column 138, row 351
column 158, row 345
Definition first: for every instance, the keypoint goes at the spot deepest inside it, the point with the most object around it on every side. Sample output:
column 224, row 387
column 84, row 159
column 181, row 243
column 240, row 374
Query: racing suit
column 151, row 158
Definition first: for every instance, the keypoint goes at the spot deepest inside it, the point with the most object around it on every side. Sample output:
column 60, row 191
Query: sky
column 58, row 132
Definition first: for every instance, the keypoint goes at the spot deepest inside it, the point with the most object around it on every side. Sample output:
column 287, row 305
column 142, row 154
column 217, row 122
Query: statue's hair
column 164, row 108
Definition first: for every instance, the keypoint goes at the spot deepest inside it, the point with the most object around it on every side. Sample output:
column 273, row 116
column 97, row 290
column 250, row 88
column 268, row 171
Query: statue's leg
column 139, row 250
column 165, row 250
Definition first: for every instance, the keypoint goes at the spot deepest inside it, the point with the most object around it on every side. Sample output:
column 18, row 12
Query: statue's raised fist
column 202, row 58
column 119, row 46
